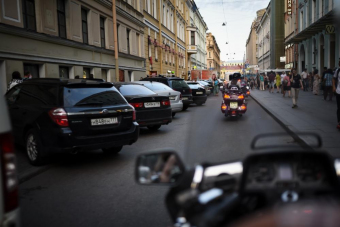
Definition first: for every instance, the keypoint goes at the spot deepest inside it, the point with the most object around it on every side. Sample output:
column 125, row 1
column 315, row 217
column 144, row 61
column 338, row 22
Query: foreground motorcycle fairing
column 290, row 187
column 233, row 103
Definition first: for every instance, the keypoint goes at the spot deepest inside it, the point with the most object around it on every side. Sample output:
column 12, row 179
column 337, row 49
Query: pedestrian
column 27, row 75
column 304, row 79
column 215, row 83
column 322, row 84
column 16, row 79
column 296, row 84
column 336, row 90
column 258, row 81
column 283, row 75
column 265, row 82
column 310, row 81
column 278, row 82
column 271, row 79
column 328, row 81
column 286, row 85
column 261, row 82
column 316, row 82
column 76, row 77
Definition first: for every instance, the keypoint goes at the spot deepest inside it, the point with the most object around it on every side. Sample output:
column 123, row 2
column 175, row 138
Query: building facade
column 291, row 29
column 251, row 44
column 263, row 40
column 317, row 35
column 196, row 40
column 165, row 36
column 68, row 38
column 213, row 53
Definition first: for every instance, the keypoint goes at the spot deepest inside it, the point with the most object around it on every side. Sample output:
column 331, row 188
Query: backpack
column 285, row 82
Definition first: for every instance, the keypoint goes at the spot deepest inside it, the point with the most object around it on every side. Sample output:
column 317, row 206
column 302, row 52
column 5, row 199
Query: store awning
column 316, row 27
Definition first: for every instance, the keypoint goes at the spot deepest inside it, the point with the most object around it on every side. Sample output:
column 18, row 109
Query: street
column 90, row 189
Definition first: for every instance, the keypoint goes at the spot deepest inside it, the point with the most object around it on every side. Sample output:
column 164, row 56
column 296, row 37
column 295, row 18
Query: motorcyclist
column 236, row 80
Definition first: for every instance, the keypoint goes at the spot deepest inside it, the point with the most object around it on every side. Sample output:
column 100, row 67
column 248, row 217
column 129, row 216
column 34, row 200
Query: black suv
column 176, row 83
column 58, row 115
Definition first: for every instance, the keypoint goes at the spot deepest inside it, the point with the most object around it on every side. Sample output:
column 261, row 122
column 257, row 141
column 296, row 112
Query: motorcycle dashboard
column 300, row 172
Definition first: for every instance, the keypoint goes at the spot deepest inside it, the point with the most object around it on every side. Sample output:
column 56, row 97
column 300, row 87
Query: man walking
column 271, row 78
column 283, row 75
column 336, row 89
column 296, row 82
column 305, row 79
column 262, row 82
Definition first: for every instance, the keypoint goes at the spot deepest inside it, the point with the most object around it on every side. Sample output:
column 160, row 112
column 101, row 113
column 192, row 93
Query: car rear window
column 86, row 96
column 194, row 86
column 179, row 84
column 157, row 86
column 134, row 89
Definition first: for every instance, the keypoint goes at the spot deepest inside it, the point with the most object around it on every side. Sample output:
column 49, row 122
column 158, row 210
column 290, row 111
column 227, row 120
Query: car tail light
column 166, row 103
column 224, row 107
column 226, row 96
column 137, row 105
column 134, row 115
column 241, row 97
column 59, row 116
column 190, row 90
column 9, row 173
column 180, row 96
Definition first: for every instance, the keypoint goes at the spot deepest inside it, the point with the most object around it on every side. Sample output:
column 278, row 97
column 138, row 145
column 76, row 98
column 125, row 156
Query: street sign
column 330, row 29
column 283, row 59
column 256, row 68
column 252, row 66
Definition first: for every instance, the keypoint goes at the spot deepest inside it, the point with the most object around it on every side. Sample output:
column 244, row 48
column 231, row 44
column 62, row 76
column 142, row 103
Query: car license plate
column 104, row 121
column 152, row 104
column 199, row 93
column 233, row 105
column 172, row 97
column 185, row 98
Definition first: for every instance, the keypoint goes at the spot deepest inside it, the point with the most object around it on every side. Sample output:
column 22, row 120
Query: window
column 38, row 95
column 301, row 21
column 61, row 18
column 157, row 86
column 63, row 72
column 138, row 44
column 153, row 9
column 104, row 74
column 29, row 14
column 128, row 40
column 84, row 25
column 33, row 69
column 135, row 90
column 102, row 31
column 209, row 54
column 86, row 73
column 192, row 38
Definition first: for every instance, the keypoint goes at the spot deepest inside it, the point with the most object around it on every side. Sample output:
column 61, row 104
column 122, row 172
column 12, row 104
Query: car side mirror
column 159, row 168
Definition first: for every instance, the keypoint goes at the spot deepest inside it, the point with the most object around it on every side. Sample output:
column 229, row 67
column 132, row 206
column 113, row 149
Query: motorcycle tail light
column 241, row 96
column 243, row 107
column 248, row 92
column 224, row 107
column 226, row 96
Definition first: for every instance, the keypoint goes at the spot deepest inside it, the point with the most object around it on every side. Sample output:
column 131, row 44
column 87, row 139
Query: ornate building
column 213, row 53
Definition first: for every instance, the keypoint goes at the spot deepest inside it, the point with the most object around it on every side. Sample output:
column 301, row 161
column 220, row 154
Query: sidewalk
column 313, row 114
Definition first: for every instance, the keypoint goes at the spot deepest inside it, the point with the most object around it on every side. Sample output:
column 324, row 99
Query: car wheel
column 185, row 107
column 173, row 114
column 112, row 150
column 154, row 127
column 34, row 148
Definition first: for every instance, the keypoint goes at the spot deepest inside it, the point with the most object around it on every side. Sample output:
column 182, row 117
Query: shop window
column 86, row 73
column 33, row 69
column 128, row 40
column 63, row 72
column 61, row 18
column 29, row 14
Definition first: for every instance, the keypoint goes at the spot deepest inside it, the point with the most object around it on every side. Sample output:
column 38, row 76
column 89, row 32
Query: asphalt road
column 91, row 189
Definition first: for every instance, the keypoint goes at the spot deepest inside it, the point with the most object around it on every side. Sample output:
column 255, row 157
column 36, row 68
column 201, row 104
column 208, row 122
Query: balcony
column 192, row 49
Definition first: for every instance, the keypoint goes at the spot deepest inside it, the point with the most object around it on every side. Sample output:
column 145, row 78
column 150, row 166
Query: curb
column 284, row 125
column 27, row 175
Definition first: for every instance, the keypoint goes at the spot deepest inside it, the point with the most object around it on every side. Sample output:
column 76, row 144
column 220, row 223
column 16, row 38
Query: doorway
column 332, row 51
column 121, row 76
column 302, row 58
column 322, row 53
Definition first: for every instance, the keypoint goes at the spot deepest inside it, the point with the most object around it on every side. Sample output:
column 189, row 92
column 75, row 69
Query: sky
column 238, row 15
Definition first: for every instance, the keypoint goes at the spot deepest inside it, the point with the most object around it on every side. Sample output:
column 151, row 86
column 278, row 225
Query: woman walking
column 278, row 82
column 316, row 82
column 286, row 85
column 265, row 82
column 215, row 87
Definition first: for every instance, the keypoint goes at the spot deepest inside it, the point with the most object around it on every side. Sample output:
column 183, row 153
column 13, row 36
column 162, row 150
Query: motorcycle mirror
column 159, row 168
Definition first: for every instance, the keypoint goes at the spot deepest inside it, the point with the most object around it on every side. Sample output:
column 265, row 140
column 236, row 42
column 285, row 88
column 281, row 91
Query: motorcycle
column 245, row 88
column 233, row 103
column 275, row 187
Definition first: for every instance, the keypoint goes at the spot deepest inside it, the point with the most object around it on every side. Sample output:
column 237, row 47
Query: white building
column 197, row 58
column 263, row 40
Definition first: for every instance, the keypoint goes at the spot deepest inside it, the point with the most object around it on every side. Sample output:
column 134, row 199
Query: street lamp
column 224, row 24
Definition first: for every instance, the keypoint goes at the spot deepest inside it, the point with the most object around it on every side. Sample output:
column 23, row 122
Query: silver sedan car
column 206, row 86
column 164, row 90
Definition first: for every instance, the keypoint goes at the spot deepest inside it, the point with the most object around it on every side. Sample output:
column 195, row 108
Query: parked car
column 61, row 115
column 176, row 83
column 211, row 85
column 152, row 110
column 198, row 93
column 206, row 86
column 164, row 90
column 9, row 201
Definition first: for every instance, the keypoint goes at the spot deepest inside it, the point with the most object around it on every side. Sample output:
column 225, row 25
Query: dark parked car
column 198, row 93
column 60, row 115
column 176, row 83
column 152, row 110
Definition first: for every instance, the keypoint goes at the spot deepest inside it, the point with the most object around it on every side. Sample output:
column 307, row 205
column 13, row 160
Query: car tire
column 34, row 148
column 199, row 103
column 173, row 114
column 154, row 127
column 112, row 150
column 185, row 107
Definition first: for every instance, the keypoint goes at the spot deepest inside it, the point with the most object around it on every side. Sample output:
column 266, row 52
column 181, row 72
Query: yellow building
column 213, row 56
column 165, row 35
